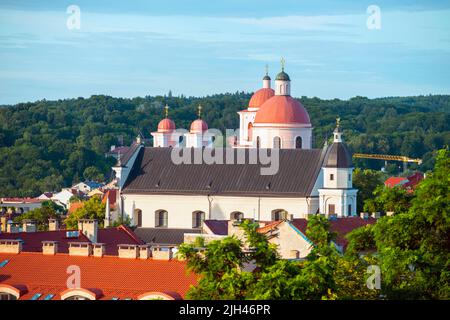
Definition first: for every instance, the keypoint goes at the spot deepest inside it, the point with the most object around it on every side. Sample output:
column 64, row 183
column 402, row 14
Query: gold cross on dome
column 166, row 110
column 283, row 62
column 338, row 122
column 199, row 108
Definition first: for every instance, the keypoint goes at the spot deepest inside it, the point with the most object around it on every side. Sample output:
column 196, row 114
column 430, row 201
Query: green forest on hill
column 46, row 145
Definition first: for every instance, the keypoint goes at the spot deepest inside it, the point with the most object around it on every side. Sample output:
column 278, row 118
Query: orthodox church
column 155, row 192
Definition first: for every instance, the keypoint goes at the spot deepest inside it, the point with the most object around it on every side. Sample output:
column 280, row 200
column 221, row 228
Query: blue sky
column 199, row 47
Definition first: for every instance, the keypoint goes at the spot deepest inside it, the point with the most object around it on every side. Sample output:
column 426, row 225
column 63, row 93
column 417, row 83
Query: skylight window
column 3, row 263
column 49, row 297
column 36, row 296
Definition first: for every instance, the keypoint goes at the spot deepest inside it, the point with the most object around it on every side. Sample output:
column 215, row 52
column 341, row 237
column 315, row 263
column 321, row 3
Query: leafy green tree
column 92, row 173
column 385, row 199
column 366, row 181
column 48, row 210
column 412, row 246
column 91, row 209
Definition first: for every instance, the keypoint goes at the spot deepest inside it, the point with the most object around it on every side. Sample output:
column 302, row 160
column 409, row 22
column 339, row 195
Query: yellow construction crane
column 388, row 157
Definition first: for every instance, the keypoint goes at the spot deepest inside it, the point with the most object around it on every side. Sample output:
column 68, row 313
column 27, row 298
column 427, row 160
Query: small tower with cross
column 282, row 82
column 166, row 135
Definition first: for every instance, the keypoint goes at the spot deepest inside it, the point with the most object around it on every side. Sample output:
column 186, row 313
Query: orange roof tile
column 108, row 276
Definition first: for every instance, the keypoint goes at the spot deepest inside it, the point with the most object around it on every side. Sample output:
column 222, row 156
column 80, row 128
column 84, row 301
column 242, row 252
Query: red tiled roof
column 394, row 181
column 108, row 277
column 269, row 226
column 32, row 241
column 341, row 226
column 111, row 237
column 74, row 206
column 112, row 195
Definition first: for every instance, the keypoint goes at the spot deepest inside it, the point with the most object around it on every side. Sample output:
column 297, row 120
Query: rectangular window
column 331, row 177
column 349, row 177
column 349, row 209
column 331, row 209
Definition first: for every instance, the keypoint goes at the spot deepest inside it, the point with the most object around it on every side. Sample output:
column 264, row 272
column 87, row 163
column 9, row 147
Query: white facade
column 63, row 197
column 282, row 88
column 197, row 139
column 165, row 139
column 338, row 201
column 245, row 132
column 288, row 134
column 181, row 207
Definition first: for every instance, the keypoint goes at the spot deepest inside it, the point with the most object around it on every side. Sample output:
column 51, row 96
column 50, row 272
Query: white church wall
column 180, row 208
column 340, row 177
column 287, row 135
column 340, row 199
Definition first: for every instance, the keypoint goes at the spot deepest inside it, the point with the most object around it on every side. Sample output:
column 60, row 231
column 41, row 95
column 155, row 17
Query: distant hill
column 45, row 145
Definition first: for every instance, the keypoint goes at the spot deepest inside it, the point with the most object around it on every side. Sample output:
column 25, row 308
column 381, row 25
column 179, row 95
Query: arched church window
column 250, row 131
column 236, row 215
column 137, row 217
column 277, row 143
column 161, row 219
column 197, row 219
column 279, row 214
column 298, row 143
column 181, row 141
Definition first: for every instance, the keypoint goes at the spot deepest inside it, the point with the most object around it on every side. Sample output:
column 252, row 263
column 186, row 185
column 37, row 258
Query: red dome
column 282, row 109
column 199, row 126
column 166, row 125
column 260, row 96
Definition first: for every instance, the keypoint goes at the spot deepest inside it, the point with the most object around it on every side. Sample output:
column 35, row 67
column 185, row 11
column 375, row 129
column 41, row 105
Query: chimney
column 144, row 251
column 364, row 215
column 89, row 227
column 53, row 224
column 50, row 247
column 128, row 251
column 10, row 246
column 99, row 249
column 12, row 227
column 161, row 253
column 108, row 212
column 28, row 225
column 376, row 215
column 290, row 217
column 390, row 213
column 83, row 249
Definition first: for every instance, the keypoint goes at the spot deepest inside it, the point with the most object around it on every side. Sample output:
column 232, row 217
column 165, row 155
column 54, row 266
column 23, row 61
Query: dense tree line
column 45, row 145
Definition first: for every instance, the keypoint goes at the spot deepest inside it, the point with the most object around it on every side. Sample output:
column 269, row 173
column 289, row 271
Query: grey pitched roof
column 155, row 173
column 219, row 227
column 338, row 156
column 124, row 158
column 163, row 235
